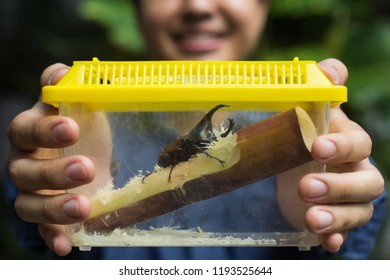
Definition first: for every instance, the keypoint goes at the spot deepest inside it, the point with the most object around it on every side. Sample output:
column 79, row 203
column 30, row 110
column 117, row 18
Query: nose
column 199, row 9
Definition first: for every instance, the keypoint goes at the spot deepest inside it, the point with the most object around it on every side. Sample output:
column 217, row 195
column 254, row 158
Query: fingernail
column 76, row 172
column 71, row 209
column 328, row 150
column 335, row 75
column 325, row 219
column 317, row 188
column 56, row 76
column 332, row 74
column 61, row 132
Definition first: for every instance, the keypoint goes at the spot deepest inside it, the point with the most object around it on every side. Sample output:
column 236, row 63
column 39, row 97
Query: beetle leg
column 210, row 156
column 169, row 177
column 207, row 154
column 230, row 128
column 170, row 173
column 147, row 175
column 143, row 179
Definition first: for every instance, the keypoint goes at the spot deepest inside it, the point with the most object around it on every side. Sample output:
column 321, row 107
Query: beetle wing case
column 195, row 153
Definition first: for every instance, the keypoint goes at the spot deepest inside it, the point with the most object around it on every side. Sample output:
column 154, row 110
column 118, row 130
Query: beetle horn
column 204, row 129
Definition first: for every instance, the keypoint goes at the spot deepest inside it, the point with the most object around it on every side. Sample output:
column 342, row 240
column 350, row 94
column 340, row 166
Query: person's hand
column 41, row 175
column 343, row 195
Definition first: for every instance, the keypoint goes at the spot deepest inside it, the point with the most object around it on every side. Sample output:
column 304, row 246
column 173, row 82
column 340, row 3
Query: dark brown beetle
column 187, row 146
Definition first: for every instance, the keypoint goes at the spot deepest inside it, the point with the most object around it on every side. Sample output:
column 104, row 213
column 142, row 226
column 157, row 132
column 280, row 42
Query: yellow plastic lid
column 174, row 85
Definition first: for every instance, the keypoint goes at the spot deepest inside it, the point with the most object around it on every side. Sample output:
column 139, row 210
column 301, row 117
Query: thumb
column 53, row 74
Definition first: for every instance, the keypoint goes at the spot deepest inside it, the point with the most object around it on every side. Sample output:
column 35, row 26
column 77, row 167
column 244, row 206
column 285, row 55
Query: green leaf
column 118, row 18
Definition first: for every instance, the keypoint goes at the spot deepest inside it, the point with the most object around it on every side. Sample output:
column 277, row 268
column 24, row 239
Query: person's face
column 202, row 29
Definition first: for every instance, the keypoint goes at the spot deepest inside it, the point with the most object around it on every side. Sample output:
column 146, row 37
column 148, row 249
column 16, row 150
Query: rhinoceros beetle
column 187, row 146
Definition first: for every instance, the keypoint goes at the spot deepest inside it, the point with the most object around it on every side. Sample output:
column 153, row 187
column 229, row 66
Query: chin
column 212, row 55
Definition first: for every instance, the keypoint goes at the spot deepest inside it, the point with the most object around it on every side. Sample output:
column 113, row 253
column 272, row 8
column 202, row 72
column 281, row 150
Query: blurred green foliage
column 354, row 31
column 119, row 20
column 35, row 34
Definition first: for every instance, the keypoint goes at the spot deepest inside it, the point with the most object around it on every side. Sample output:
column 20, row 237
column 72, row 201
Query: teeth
column 198, row 37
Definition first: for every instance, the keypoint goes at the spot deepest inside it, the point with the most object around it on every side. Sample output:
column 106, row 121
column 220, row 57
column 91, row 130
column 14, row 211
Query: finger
column 53, row 74
column 61, row 173
column 335, row 70
column 62, row 208
column 358, row 186
column 30, row 130
column 333, row 242
column 56, row 238
column 347, row 141
column 329, row 219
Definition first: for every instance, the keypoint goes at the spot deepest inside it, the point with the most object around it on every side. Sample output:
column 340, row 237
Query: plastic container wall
column 214, row 168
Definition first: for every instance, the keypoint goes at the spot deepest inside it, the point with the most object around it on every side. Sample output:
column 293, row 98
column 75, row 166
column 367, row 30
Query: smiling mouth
column 198, row 42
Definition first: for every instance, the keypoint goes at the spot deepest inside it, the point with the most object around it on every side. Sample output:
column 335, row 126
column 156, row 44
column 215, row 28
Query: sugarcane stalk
column 253, row 153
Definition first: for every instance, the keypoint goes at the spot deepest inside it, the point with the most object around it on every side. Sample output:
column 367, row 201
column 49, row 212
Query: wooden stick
column 265, row 149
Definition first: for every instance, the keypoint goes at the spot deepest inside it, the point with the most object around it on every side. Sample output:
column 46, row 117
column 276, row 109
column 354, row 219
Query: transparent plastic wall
column 138, row 203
